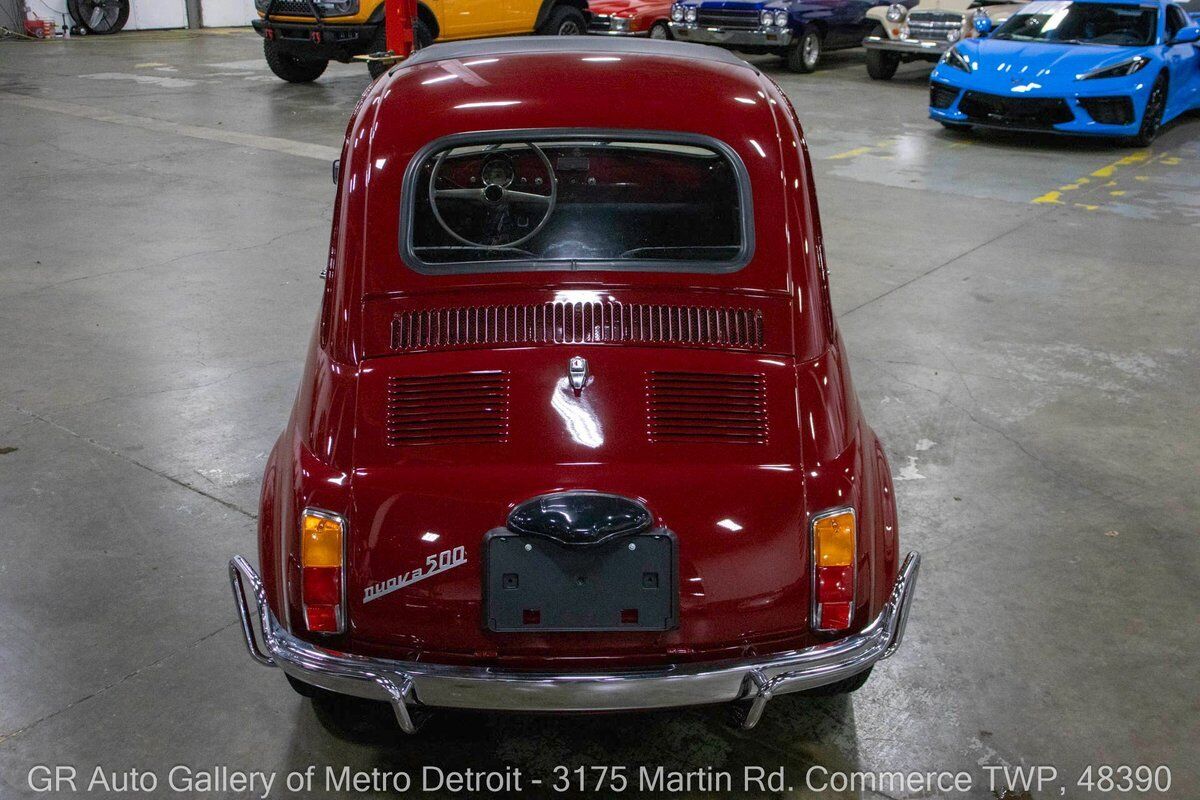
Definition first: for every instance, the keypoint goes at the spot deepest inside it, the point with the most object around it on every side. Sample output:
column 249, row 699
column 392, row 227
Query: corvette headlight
column 955, row 59
column 781, row 19
column 896, row 12
column 677, row 13
column 766, row 19
column 1116, row 71
column 689, row 14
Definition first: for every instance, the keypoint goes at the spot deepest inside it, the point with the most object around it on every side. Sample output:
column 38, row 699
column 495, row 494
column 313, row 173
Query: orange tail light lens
column 322, row 562
column 833, row 537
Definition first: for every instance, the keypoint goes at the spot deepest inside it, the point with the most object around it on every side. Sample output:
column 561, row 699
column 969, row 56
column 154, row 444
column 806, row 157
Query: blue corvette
column 1094, row 67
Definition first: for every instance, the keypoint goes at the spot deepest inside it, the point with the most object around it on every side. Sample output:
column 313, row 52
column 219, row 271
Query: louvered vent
column 601, row 322
column 706, row 407
column 448, row 409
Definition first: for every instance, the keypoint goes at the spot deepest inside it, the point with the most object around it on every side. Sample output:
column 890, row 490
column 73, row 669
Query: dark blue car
column 798, row 30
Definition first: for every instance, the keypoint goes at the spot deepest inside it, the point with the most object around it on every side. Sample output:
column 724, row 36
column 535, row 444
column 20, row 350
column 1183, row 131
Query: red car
column 630, row 18
column 576, row 431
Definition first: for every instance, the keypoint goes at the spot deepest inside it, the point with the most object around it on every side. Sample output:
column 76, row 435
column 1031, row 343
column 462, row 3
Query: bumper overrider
column 732, row 37
column 410, row 686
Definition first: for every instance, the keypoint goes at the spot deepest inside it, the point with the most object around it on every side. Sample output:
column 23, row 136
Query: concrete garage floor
column 1022, row 319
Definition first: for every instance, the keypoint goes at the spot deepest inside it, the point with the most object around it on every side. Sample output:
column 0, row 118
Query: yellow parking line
column 1107, row 171
column 858, row 151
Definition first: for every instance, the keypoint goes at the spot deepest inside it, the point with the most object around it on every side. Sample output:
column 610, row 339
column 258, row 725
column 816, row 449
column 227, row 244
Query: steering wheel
column 494, row 196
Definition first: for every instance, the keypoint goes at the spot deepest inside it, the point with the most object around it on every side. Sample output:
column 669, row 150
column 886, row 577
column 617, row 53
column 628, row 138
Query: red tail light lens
column 322, row 561
column 833, row 537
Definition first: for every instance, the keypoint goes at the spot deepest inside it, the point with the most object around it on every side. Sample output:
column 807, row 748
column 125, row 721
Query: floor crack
column 114, row 452
column 6, row 736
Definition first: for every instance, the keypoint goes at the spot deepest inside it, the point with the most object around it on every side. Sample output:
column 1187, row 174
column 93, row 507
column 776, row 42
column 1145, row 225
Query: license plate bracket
column 535, row 584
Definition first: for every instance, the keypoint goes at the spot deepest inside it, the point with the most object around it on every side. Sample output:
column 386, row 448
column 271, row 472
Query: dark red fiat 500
column 576, row 431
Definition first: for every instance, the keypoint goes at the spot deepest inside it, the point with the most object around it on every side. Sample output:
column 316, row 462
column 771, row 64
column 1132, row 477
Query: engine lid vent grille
column 448, row 409
column 706, row 407
column 600, row 322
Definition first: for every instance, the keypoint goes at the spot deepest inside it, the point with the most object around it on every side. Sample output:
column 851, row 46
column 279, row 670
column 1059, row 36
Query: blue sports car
column 1095, row 67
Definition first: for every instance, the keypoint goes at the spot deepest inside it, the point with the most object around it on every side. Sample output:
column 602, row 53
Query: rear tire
column 844, row 686
column 421, row 38
column 805, row 53
column 564, row 21
column 291, row 68
column 301, row 688
column 660, row 30
column 378, row 45
column 882, row 65
column 1156, row 104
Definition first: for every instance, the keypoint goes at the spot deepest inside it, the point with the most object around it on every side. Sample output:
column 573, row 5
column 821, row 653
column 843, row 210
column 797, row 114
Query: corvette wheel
column 660, row 30
column 805, row 53
column 1156, row 104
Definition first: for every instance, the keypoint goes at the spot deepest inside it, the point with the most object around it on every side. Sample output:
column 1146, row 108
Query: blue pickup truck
column 798, row 30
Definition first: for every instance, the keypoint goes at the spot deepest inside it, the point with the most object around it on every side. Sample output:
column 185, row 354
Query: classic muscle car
column 576, row 431
column 630, row 18
column 925, row 32
column 798, row 30
column 1116, row 68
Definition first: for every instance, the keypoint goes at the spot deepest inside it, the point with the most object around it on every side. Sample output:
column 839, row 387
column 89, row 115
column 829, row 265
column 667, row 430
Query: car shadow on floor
column 795, row 734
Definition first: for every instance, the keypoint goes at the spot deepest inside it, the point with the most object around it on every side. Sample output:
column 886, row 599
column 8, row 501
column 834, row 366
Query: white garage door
column 226, row 13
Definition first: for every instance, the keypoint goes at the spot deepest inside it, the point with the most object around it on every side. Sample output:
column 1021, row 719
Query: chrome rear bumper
column 409, row 686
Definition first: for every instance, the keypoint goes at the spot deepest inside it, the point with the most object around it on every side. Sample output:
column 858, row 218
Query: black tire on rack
column 99, row 17
column 844, row 686
column 422, row 38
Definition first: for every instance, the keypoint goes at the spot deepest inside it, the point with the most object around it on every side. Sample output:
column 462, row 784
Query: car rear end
column 598, row 447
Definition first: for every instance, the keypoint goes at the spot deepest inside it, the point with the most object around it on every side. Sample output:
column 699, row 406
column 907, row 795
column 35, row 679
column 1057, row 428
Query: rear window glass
column 525, row 203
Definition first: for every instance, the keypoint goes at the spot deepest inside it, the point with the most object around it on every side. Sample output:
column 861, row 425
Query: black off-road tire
column 421, row 38
column 1156, row 104
column 804, row 54
column 844, row 686
column 291, row 68
column 564, row 21
column 882, row 65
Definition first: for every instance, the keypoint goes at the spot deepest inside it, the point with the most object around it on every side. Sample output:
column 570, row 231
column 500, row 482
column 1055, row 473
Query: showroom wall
column 143, row 14
column 146, row 14
column 226, row 13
